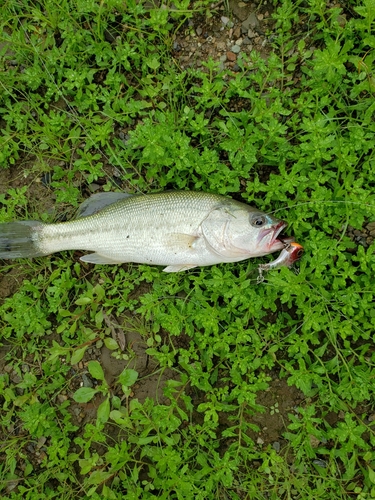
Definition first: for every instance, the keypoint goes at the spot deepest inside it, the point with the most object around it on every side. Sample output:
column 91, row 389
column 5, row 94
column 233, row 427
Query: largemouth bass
column 177, row 229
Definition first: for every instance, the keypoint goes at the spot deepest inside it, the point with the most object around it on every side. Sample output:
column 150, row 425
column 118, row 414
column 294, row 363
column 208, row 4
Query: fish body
column 177, row 229
column 288, row 256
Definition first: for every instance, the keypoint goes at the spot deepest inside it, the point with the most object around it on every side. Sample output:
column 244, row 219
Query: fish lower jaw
column 277, row 241
column 275, row 246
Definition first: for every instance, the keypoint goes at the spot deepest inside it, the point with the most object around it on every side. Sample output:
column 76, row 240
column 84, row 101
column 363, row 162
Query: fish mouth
column 278, row 239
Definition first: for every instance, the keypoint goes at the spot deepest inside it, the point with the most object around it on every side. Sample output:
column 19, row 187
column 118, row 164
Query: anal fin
column 178, row 267
column 96, row 258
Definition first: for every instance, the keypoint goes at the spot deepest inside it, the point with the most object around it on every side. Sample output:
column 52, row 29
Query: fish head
column 255, row 232
column 238, row 231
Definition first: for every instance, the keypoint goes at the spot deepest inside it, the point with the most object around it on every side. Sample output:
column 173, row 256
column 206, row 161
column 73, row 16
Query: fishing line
column 323, row 202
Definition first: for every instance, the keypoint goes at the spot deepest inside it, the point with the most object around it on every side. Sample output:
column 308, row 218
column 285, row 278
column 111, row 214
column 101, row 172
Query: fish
column 289, row 255
column 177, row 229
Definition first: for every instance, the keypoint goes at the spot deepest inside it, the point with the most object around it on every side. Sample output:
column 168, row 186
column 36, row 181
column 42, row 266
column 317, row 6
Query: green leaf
column 111, row 343
column 64, row 313
column 78, row 355
column 301, row 45
column 56, row 351
column 99, row 318
column 84, row 394
column 103, row 411
column 98, row 477
column 128, row 377
column 121, row 418
column 371, row 475
column 153, row 63
column 95, row 370
column 83, row 301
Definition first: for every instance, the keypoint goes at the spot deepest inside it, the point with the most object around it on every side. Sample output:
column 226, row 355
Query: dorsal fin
column 98, row 201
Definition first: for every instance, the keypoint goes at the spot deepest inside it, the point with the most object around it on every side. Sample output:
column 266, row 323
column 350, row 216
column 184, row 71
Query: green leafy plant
column 217, row 386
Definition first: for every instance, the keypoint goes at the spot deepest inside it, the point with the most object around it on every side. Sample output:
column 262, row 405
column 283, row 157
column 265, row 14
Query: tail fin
column 20, row 239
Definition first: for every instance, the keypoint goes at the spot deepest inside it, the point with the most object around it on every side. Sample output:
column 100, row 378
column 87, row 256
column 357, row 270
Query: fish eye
column 257, row 220
column 300, row 253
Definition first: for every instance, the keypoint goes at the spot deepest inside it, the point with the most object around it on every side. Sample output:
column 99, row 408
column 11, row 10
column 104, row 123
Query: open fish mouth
column 278, row 239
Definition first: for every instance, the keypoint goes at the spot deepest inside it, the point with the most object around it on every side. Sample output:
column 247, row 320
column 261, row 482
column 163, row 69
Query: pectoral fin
column 181, row 242
column 98, row 201
column 178, row 267
column 96, row 258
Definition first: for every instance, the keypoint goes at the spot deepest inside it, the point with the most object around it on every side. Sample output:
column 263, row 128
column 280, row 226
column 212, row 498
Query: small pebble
column 225, row 20
column 30, row 448
column 199, row 31
column 93, row 187
column 231, row 56
column 314, row 441
column 239, row 42
column 237, row 32
column 341, row 20
column 15, row 378
column 276, row 446
column 236, row 49
column 87, row 382
column 320, row 463
column 251, row 21
column 260, row 440
column 61, row 398
column 41, row 441
column 251, row 34
column 11, row 484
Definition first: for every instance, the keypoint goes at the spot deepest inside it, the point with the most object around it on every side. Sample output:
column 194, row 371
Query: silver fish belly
column 177, row 229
